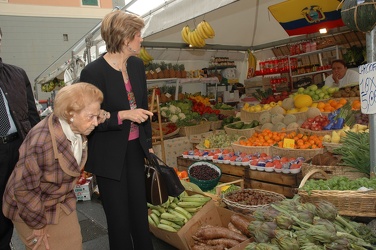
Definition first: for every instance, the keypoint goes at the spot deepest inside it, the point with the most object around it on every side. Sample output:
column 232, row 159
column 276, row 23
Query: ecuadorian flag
column 299, row 17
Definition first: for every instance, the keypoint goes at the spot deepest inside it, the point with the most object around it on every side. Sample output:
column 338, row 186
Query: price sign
column 288, row 143
column 367, row 88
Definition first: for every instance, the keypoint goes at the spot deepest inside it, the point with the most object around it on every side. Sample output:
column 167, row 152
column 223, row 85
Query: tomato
column 183, row 174
column 269, row 164
column 294, row 166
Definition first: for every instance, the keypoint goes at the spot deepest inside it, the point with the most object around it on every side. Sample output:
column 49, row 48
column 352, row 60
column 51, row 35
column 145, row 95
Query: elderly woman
column 39, row 196
column 117, row 147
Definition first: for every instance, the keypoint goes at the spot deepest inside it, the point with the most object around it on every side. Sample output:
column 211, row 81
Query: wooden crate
column 281, row 183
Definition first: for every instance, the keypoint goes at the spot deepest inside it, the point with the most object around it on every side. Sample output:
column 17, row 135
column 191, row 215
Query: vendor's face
column 339, row 70
column 86, row 120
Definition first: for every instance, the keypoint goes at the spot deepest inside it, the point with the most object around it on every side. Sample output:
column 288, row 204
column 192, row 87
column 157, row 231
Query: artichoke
column 321, row 233
column 326, row 210
column 284, row 222
column 339, row 244
column 311, row 246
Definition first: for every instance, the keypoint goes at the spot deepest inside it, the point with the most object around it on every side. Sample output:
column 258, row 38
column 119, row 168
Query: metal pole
column 371, row 57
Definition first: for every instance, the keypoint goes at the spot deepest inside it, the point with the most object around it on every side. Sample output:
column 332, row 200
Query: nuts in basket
column 252, row 197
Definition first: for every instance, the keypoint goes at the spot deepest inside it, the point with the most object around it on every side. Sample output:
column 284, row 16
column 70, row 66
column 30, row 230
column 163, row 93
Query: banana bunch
column 197, row 37
column 145, row 56
column 252, row 61
column 205, row 30
column 176, row 211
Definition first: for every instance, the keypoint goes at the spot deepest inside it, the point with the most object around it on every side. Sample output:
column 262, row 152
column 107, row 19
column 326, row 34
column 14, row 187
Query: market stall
column 286, row 151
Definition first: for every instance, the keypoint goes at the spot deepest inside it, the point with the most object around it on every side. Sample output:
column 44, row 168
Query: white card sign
column 367, row 87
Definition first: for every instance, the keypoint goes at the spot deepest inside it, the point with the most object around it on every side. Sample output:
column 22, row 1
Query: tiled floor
column 93, row 228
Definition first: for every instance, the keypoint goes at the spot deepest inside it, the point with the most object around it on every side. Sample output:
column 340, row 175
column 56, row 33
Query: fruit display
column 317, row 93
column 176, row 211
column 267, row 96
column 196, row 37
column 350, row 91
column 276, row 119
column 218, row 140
column 145, row 56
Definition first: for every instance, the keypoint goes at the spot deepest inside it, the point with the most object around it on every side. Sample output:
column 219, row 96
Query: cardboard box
column 178, row 239
column 84, row 192
column 231, row 97
column 219, row 216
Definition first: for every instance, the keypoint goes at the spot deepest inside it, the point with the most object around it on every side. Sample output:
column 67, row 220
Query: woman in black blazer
column 117, row 147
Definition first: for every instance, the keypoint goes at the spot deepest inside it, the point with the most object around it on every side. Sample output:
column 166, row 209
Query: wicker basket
column 155, row 126
column 291, row 152
column 214, row 125
column 319, row 132
column 243, row 207
column 348, row 203
column 331, row 146
column 248, row 132
column 331, row 171
column 195, row 129
column 246, row 116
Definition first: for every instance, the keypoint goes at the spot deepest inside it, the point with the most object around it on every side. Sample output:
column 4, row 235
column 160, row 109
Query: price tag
column 367, row 88
column 288, row 143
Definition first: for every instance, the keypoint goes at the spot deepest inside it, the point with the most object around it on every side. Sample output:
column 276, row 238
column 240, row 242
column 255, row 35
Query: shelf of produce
column 229, row 172
column 281, row 183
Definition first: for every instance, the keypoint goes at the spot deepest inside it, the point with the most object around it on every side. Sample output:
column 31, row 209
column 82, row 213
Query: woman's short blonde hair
column 118, row 26
column 75, row 97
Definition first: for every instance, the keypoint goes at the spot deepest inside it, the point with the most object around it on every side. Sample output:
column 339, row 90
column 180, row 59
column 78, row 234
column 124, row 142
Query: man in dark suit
column 18, row 114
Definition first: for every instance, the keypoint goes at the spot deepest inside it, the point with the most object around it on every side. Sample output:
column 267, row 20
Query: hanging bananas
column 251, row 64
column 205, row 30
column 197, row 37
column 184, row 34
column 145, row 56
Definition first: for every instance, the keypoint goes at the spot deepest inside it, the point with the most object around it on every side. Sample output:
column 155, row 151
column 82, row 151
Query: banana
column 155, row 218
column 201, row 42
column 183, row 212
column 167, row 228
column 201, row 200
column 184, row 34
column 151, row 221
column 185, row 204
column 147, row 56
column 184, row 193
column 173, row 212
column 171, row 217
column 192, row 209
column 159, row 208
column 173, row 205
column 171, row 224
column 209, row 32
column 191, row 39
column 251, row 64
column 155, row 211
column 201, row 31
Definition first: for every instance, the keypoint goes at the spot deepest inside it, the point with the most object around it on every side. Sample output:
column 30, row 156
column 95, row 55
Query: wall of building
column 33, row 34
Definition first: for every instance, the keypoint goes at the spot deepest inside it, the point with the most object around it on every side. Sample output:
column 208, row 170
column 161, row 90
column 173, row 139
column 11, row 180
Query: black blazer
column 108, row 142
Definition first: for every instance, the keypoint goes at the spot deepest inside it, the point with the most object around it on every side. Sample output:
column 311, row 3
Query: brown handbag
column 156, row 190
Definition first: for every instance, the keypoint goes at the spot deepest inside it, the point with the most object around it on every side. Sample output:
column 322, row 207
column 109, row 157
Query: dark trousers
column 124, row 203
column 8, row 159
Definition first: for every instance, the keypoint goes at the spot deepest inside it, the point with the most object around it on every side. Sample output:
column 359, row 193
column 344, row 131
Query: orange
column 343, row 101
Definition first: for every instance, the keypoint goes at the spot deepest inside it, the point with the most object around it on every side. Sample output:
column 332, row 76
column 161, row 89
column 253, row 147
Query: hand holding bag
column 159, row 179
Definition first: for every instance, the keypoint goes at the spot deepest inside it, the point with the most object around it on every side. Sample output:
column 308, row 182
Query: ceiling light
column 323, row 31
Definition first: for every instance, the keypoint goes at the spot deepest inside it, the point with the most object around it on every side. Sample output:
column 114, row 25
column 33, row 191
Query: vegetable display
column 176, row 211
column 290, row 225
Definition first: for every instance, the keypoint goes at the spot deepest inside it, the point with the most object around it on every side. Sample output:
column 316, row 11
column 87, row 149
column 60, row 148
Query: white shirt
column 75, row 139
column 350, row 77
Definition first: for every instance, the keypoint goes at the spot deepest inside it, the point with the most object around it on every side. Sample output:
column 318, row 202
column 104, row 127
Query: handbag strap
column 155, row 159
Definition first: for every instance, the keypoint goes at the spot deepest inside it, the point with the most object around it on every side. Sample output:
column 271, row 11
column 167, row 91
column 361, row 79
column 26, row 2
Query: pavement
column 94, row 228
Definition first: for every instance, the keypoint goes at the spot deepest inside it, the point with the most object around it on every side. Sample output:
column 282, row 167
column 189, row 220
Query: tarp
column 298, row 17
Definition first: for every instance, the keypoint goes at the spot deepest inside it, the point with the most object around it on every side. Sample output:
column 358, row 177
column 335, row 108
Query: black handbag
column 161, row 181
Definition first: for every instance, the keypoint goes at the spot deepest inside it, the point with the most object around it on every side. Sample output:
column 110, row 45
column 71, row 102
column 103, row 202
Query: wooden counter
column 285, row 184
